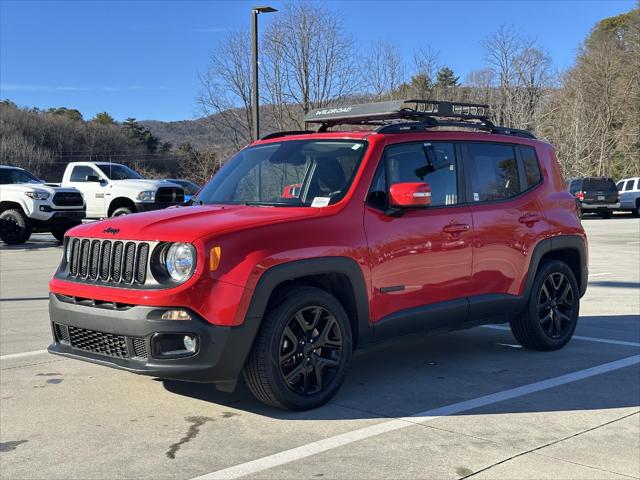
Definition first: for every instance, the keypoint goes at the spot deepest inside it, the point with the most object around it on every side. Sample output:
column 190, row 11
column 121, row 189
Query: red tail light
column 580, row 195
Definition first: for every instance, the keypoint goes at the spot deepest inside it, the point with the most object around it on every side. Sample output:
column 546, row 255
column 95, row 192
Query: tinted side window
column 493, row 171
column 433, row 163
column 531, row 166
column 629, row 185
column 80, row 173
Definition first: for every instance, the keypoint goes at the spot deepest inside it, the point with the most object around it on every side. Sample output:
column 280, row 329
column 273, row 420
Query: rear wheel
column 636, row 211
column 15, row 227
column 300, row 356
column 551, row 315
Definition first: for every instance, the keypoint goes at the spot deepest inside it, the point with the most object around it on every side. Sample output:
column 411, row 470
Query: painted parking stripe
column 22, row 354
column 314, row 448
column 578, row 337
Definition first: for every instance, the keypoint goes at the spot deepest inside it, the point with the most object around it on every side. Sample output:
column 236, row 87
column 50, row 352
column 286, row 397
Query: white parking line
column 579, row 337
column 599, row 274
column 314, row 448
column 22, row 354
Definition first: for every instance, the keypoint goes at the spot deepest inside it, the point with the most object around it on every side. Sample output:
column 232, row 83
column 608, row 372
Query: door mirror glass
column 410, row 195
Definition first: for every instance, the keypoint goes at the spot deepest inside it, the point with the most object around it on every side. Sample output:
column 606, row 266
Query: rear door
column 507, row 219
column 421, row 257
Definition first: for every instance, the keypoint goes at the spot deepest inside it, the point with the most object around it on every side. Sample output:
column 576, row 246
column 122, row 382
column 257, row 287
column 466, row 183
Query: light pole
column 254, row 41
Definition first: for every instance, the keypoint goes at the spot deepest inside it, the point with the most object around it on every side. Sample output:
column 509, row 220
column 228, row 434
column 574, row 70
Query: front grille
column 108, row 261
column 170, row 195
column 68, row 199
column 108, row 344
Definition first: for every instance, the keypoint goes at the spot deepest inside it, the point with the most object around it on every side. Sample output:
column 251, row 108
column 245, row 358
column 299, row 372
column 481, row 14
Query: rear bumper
column 600, row 206
column 219, row 357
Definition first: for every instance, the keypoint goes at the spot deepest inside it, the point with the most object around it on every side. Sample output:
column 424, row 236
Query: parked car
column 400, row 228
column 629, row 189
column 28, row 205
column 189, row 187
column 112, row 189
column 595, row 195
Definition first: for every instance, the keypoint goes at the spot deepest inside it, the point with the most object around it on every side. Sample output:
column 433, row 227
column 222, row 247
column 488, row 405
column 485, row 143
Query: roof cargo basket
column 397, row 116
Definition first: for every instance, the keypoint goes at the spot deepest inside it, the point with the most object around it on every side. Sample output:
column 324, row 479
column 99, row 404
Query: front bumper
column 219, row 357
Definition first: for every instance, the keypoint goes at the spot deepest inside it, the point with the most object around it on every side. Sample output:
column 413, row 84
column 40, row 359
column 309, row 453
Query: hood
column 29, row 187
column 186, row 224
column 144, row 184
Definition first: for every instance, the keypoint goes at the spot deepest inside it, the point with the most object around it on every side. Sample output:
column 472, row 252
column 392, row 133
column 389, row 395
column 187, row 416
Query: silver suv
column 629, row 189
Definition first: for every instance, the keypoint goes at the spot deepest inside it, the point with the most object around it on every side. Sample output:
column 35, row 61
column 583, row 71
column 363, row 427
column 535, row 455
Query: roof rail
column 421, row 113
column 284, row 134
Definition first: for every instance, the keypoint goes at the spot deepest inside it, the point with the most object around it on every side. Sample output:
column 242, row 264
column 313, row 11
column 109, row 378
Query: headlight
column 149, row 196
column 37, row 195
column 180, row 261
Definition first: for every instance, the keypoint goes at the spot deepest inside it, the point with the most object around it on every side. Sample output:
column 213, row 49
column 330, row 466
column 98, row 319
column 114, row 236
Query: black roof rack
column 284, row 134
column 397, row 116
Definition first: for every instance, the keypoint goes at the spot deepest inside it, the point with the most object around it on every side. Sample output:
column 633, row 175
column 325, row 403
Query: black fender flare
column 562, row 242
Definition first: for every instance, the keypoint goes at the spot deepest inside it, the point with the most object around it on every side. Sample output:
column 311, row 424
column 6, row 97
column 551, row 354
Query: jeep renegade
column 306, row 245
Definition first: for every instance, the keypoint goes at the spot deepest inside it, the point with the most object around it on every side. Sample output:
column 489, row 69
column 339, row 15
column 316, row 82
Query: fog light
column 175, row 315
column 189, row 343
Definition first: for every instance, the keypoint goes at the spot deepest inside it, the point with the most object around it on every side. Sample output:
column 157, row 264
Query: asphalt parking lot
column 467, row 404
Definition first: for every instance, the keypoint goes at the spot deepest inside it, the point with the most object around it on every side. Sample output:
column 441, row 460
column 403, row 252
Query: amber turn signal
column 214, row 258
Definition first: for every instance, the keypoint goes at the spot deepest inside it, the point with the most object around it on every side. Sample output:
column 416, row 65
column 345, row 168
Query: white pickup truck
column 112, row 189
column 28, row 205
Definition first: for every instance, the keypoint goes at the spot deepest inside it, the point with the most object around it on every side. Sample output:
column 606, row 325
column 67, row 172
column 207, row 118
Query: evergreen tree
column 446, row 78
column 104, row 118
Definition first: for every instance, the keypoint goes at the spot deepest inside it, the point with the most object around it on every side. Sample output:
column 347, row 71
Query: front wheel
column 15, row 227
column 118, row 212
column 59, row 232
column 551, row 315
column 300, row 356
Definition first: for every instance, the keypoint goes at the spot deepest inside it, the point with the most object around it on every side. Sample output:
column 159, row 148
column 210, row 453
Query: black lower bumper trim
column 219, row 358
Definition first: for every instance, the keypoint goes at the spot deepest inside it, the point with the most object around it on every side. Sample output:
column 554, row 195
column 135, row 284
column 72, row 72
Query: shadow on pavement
column 419, row 372
column 605, row 283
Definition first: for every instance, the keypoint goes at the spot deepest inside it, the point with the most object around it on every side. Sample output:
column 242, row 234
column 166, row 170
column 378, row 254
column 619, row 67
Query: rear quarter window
column 493, row 172
column 531, row 166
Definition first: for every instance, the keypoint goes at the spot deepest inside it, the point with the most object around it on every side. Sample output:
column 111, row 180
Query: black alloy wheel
column 310, row 350
column 300, row 356
column 551, row 314
column 15, row 227
column 556, row 305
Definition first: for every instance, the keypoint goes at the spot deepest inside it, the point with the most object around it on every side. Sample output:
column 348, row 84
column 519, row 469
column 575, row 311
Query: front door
column 419, row 257
column 93, row 192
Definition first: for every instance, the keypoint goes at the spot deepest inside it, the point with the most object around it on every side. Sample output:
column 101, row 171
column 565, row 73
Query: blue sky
column 142, row 58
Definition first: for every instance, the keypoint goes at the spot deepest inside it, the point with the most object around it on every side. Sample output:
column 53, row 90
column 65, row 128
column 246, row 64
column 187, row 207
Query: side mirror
column 92, row 178
column 410, row 195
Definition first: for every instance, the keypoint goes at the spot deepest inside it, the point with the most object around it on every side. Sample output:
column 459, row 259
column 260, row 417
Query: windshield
column 189, row 188
column 293, row 173
column 601, row 184
column 14, row 175
column 115, row 171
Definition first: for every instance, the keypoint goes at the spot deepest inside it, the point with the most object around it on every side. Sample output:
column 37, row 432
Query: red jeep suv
column 306, row 245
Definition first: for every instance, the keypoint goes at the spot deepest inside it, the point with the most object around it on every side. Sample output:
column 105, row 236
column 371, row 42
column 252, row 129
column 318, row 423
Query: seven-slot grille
column 109, row 344
column 108, row 261
column 170, row 195
column 68, row 199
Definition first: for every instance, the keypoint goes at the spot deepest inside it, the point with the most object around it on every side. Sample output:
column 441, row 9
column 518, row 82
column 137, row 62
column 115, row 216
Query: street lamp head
column 264, row 9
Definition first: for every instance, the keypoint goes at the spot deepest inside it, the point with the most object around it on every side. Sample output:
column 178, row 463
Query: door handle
column 530, row 218
column 456, row 228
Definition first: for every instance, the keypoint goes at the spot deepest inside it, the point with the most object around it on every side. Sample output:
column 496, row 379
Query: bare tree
column 318, row 65
column 226, row 88
column 383, row 71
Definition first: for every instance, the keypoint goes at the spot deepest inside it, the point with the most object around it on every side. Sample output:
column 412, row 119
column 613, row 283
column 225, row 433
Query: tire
column 15, row 227
column 549, row 320
column 286, row 368
column 636, row 211
column 606, row 214
column 59, row 232
column 118, row 212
